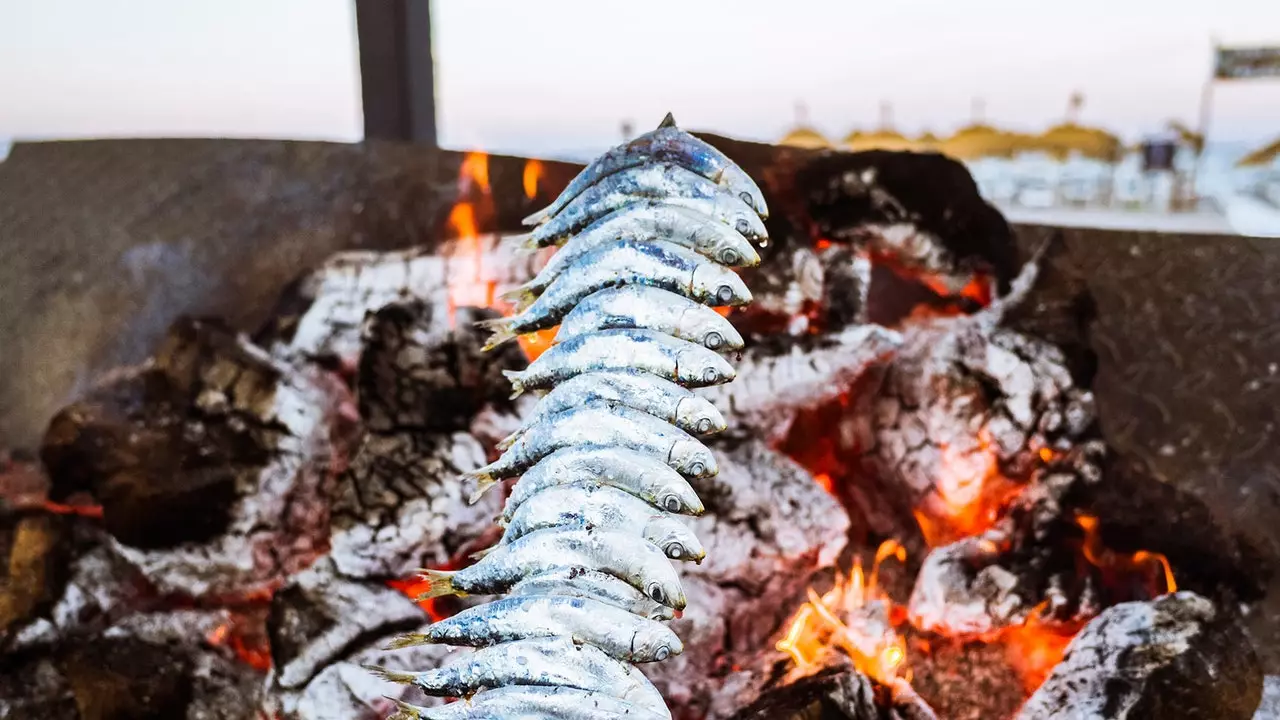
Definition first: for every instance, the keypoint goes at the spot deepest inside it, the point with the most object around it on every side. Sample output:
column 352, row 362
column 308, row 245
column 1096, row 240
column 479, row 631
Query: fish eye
column 713, row 340
column 710, row 375
column 724, row 295
column 746, row 198
column 655, row 592
column 729, row 256
column 672, row 503
column 697, row 469
column 704, row 425
column 663, row 653
column 743, row 226
column 675, row 551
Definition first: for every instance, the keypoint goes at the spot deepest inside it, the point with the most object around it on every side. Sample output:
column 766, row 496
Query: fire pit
column 920, row 511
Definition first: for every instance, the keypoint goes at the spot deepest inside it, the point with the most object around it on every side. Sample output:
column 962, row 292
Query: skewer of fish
column 647, row 236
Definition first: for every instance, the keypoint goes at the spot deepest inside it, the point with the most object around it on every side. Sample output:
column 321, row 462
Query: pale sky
column 560, row 75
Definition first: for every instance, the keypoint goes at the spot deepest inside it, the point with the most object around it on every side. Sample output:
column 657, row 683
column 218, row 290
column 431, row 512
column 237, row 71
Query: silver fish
column 666, row 144
column 623, row 262
column 530, row 702
column 617, row 632
column 667, row 182
column 648, row 478
column 545, row 661
column 648, row 393
column 623, row 554
column 592, row 505
column 651, row 308
column 598, row 424
column 602, row 423
column 645, row 222
column 584, row 582
column 623, row 349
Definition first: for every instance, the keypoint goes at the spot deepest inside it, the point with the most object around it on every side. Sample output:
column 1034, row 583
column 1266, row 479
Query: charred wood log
column 208, row 461
column 1174, row 657
column 837, row 692
column 400, row 505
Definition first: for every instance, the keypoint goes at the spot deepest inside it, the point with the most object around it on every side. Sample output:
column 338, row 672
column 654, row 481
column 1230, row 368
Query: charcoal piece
column 126, row 679
column 208, row 461
column 1174, row 657
column 774, row 384
column 321, row 315
column 34, row 552
column 416, row 375
column 768, row 529
column 319, row 617
column 837, row 692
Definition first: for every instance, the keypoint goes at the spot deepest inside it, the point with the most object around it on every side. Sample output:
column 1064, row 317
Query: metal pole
column 1202, row 126
column 397, row 74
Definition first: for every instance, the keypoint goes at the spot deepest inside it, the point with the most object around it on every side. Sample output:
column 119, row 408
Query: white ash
column 337, row 295
column 771, row 389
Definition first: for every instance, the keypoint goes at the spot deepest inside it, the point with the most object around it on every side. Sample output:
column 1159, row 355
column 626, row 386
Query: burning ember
column 855, row 616
column 1035, row 647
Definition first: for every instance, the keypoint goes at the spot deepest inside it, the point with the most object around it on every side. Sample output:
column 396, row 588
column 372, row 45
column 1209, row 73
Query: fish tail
column 439, row 584
column 480, row 554
column 537, row 218
column 500, row 329
column 408, row 640
column 520, row 297
column 405, row 711
column 517, row 382
column 483, row 479
column 509, row 440
column 395, row 676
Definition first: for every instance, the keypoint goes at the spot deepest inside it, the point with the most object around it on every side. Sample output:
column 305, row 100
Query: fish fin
column 509, row 440
column 668, row 122
column 405, row 711
column 500, row 329
column 395, row 676
column 400, row 642
column 521, row 297
column 439, row 584
column 484, row 480
column 517, row 382
column 480, row 554
column 537, row 218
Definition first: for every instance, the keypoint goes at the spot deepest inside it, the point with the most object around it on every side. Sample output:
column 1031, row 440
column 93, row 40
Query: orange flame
column 1109, row 560
column 474, row 171
column 536, row 343
column 532, row 174
column 854, row 616
column 1035, row 647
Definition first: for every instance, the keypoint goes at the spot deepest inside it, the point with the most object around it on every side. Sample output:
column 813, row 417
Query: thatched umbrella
column 805, row 137
column 1062, row 140
column 979, row 141
column 1261, row 157
column 880, row 140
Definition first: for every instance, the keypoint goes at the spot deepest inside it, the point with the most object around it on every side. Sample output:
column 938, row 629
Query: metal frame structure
column 397, row 71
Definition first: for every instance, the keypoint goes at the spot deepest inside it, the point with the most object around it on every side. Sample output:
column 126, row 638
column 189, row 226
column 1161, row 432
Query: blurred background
column 1125, row 114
